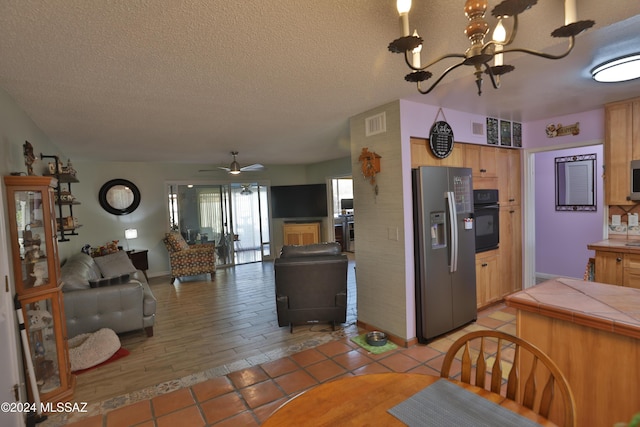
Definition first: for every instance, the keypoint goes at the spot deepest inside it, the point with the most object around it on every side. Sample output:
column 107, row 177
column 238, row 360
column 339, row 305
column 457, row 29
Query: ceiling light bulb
column 618, row 70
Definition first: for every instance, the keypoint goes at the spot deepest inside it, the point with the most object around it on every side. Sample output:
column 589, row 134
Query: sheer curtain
column 210, row 211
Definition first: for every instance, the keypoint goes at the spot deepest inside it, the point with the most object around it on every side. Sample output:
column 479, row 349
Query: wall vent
column 375, row 124
column 477, row 128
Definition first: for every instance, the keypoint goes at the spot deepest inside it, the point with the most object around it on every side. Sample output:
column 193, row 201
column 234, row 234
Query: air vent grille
column 477, row 128
column 375, row 124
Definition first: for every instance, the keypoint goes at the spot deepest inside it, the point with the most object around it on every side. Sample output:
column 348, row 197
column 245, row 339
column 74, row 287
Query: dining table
column 397, row 399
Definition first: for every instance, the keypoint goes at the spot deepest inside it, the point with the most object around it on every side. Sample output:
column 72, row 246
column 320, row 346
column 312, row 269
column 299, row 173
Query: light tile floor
column 248, row 396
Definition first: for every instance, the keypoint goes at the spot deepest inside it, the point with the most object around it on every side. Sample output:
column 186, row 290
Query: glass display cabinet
column 36, row 271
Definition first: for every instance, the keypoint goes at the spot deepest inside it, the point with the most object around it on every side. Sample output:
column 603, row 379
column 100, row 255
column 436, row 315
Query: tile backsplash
column 623, row 221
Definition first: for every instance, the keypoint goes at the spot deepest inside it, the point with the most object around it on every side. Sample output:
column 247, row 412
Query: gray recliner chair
column 311, row 284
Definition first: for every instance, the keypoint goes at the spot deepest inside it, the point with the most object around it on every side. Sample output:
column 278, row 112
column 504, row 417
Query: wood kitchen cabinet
column 421, row 155
column 509, row 172
column 618, row 268
column 492, row 167
column 487, row 278
column 510, row 249
column 300, row 233
column 482, row 160
column 622, row 144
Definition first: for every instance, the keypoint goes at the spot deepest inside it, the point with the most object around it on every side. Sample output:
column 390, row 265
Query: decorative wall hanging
column 554, row 130
column 493, row 133
column 370, row 165
column 441, row 137
column 505, row 133
column 517, row 134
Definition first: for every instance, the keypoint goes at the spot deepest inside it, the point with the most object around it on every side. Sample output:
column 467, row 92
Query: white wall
column 151, row 217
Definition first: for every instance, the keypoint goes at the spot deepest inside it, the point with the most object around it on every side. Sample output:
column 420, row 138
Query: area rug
column 119, row 354
column 361, row 340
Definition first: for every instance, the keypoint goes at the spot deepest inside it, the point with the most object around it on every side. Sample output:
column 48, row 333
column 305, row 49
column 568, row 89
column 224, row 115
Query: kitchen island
column 592, row 331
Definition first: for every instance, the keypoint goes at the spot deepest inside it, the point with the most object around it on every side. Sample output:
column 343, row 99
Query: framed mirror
column 575, row 183
column 119, row 197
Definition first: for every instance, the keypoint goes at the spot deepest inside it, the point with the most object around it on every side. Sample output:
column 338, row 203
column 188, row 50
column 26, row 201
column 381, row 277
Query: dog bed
column 88, row 350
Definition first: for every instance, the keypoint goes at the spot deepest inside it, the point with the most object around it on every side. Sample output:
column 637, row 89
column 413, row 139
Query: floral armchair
column 189, row 260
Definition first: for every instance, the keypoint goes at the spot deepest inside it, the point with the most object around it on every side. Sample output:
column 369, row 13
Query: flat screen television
column 299, row 201
column 346, row 203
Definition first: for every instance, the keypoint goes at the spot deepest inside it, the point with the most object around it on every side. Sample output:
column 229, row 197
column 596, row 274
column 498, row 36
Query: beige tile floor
column 246, row 396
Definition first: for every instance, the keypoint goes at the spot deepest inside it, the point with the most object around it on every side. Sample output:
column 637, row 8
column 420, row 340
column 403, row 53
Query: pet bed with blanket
column 88, row 350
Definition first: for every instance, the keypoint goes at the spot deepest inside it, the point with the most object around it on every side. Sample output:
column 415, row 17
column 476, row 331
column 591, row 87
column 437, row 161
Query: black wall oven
column 487, row 217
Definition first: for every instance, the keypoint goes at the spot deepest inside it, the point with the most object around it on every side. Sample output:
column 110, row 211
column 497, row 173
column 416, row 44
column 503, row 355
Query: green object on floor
column 361, row 340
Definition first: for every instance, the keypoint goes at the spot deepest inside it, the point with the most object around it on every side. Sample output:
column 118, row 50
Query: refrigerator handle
column 453, row 220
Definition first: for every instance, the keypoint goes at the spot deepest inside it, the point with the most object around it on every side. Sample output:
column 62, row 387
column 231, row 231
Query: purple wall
column 591, row 129
column 562, row 237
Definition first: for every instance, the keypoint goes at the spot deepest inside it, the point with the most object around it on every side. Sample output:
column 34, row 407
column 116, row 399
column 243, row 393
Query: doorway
column 233, row 216
column 342, row 207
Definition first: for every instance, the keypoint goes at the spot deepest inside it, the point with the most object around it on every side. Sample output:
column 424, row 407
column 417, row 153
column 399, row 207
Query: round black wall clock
column 441, row 139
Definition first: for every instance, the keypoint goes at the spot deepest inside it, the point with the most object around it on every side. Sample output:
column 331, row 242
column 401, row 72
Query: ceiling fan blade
column 253, row 168
column 214, row 170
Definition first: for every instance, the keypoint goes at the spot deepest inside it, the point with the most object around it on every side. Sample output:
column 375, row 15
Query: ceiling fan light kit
column 620, row 69
column 481, row 53
column 234, row 167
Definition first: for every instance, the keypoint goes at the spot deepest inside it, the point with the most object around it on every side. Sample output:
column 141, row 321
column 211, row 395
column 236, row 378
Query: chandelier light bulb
column 499, row 35
column 404, row 6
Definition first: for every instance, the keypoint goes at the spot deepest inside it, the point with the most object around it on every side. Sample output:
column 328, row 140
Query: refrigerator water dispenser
column 438, row 230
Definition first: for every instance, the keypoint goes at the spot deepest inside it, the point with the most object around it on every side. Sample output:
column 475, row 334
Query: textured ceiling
column 192, row 80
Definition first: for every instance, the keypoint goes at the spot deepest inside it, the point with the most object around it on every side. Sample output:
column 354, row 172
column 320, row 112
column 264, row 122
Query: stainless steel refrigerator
column 444, row 250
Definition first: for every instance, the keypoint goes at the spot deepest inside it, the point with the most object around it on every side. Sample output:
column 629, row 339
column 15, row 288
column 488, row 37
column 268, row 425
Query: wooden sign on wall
column 554, row 130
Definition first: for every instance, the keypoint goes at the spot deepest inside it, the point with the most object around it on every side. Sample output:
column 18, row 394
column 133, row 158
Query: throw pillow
column 106, row 249
column 177, row 242
column 115, row 264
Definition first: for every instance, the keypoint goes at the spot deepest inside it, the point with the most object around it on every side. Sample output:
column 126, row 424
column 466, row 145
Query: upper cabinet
column 622, row 144
column 421, row 155
column 481, row 159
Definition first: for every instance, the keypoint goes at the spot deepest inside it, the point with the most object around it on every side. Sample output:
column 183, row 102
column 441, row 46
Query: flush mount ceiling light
column 481, row 53
column 616, row 70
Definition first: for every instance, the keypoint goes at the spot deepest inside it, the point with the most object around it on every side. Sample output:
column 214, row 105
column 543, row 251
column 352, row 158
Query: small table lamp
column 130, row 233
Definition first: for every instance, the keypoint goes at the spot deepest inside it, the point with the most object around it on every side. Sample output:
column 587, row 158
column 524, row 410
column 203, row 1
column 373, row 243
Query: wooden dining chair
column 503, row 359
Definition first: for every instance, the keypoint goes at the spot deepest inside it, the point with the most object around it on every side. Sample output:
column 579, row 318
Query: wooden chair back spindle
column 528, row 360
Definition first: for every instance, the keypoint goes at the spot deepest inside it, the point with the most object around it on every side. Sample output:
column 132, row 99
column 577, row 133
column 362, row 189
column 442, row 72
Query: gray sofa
column 311, row 284
column 106, row 292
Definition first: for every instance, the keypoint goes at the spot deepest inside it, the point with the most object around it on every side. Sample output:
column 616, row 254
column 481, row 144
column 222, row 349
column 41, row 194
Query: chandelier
column 481, row 53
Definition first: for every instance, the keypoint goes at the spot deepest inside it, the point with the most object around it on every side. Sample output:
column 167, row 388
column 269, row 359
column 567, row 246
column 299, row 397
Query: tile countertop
column 600, row 306
column 617, row 245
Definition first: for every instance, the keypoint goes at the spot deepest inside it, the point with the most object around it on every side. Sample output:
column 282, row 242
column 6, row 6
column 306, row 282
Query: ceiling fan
column 235, row 168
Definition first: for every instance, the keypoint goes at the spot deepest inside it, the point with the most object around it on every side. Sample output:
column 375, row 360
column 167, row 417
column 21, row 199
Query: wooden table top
column 364, row 400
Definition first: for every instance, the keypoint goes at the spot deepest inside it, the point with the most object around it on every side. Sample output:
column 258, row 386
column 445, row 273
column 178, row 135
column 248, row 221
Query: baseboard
column 391, row 337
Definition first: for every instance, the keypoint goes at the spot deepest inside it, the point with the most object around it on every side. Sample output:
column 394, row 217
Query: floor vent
column 477, row 128
column 375, row 124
